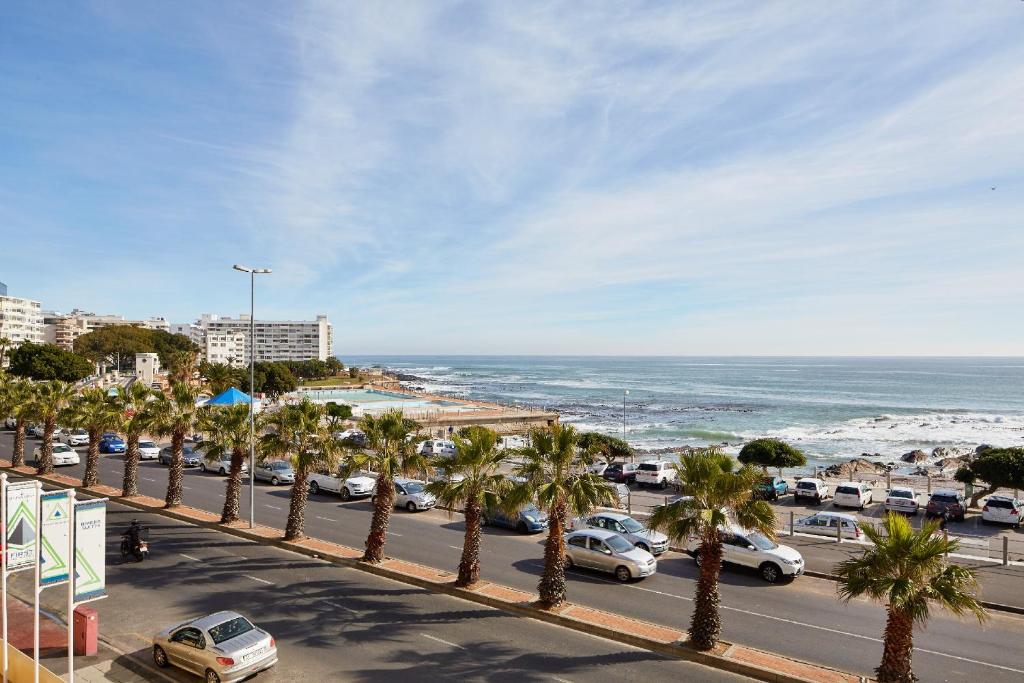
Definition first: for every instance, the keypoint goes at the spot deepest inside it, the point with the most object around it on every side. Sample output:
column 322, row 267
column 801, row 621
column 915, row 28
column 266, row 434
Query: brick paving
column 625, row 625
column 803, row 670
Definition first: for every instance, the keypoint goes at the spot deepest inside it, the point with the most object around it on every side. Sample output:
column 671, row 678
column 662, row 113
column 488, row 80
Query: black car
column 620, row 472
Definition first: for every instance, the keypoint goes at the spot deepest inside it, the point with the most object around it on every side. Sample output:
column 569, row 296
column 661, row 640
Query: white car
column 852, row 495
column 222, row 466
column 827, row 524
column 749, row 548
column 808, row 487
column 598, row 467
column 436, row 447
column 62, row 454
column 658, row 473
column 75, row 437
column 902, row 499
column 148, row 450
column 636, row 533
column 358, row 485
column 1002, row 510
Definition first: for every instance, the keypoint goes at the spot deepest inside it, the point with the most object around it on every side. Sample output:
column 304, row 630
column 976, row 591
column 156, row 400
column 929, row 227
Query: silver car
column 223, row 648
column 275, row 471
column 636, row 533
column 607, row 551
column 221, row 467
column 411, row 495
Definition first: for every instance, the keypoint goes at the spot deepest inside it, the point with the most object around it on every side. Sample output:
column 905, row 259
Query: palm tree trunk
column 92, row 460
column 130, row 484
column 383, row 504
column 18, row 457
column 552, row 582
column 45, row 464
column 469, row 565
column 234, row 489
column 706, row 624
column 177, row 473
column 898, row 649
column 293, row 530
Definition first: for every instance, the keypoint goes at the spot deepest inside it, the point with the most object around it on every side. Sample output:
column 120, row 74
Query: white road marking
column 392, row 533
column 455, row 547
column 148, row 479
column 560, row 680
column 272, row 507
column 443, row 642
column 256, row 578
column 326, row 519
column 189, row 557
column 340, row 606
column 187, row 488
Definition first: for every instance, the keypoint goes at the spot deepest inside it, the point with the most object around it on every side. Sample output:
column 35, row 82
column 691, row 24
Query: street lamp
column 253, row 272
column 625, row 393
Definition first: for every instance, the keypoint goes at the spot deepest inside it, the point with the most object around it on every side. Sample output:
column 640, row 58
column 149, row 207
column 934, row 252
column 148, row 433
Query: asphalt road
column 795, row 619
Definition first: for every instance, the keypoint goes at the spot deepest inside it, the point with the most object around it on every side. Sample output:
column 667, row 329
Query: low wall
column 21, row 669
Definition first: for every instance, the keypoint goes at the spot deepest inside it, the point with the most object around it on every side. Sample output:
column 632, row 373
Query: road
column 793, row 619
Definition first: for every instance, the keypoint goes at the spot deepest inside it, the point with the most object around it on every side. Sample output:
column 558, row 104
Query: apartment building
column 63, row 329
column 21, row 319
column 226, row 340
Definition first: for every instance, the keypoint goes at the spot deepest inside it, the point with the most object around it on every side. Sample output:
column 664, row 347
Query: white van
column 659, row 473
column 852, row 495
column 436, row 447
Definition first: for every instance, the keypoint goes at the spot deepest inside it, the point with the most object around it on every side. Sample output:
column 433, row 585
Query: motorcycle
column 139, row 550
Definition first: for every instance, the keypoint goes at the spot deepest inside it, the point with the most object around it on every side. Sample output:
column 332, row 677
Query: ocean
column 831, row 408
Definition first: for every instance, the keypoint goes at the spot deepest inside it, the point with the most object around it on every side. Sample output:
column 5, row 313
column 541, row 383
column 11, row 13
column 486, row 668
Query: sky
column 527, row 178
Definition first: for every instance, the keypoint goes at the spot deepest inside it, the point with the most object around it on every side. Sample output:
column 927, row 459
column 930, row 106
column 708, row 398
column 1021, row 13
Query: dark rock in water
column 914, row 456
column 954, row 461
column 982, row 448
column 921, row 472
column 871, row 455
column 854, row 466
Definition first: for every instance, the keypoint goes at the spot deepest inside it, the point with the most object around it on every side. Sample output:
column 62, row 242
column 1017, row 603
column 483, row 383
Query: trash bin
column 87, row 629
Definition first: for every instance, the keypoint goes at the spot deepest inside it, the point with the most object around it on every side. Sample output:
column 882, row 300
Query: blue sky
column 575, row 178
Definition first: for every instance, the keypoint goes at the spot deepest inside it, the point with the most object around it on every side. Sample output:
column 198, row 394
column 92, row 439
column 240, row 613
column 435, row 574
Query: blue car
column 111, row 443
column 529, row 520
column 771, row 488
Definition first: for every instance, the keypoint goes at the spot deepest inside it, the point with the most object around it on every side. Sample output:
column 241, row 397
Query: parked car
column 112, row 443
column 528, row 520
column 827, row 524
column 224, row 647
column 358, row 485
column 221, row 466
column 35, row 431
column 410, row 494
column 946, row 502
column 189, row 455
column 275, row 471
column 62, row 454
column 815, row 489
column 75, row 437
column 620, row 472
column 607, row 551
column 852, row 495
column 749, row 548
column 10, row 423
column 148, row 450
column 353, row 437
column 636, row 533
column 432, row 447
column 902, row 499
column 621, row 493
column 658, row 473
column 598, row 467
column 771, row 488
column 1002, row 510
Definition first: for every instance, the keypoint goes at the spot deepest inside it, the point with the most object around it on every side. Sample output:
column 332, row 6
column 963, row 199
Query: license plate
column 253, row 655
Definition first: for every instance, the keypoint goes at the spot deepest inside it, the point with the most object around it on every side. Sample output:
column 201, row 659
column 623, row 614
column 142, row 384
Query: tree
column 389, row 454
column 908, row 571
column 713, row 495
column 175, row 416
column 771, row 453
column 481, row 487
column 219, row 377
column 170, row 346
column 277, row 380
column 297, row 433
column 5, row 343
column 227, row 430
column 117, row 345
column 605, row 446
column 16, row 396
column 135, row 412
column 50, row 404
column 1000, row 468
column 95, row 412
column 182, row 365
column 337, row 413
column 47, row 362
column 556, row 476
column 334, row 366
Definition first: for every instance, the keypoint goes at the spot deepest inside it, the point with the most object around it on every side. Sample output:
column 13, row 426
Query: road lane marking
column 189, row 557
column 455, row 547
column 340, row 606
column 272, row 507
column 444, row 642
column 392, row 533
column 256, row 578
column 148, row 479
column 326, row 519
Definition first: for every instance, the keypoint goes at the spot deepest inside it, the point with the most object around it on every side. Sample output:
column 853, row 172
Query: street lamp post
column 253, row 272
column 625, row 393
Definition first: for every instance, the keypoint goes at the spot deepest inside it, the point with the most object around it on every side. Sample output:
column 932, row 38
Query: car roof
column 594, row 533
column 1010, row 498
column 840, row 515
column 903, row 488
column 211, row 620
column 811, row 479
column 945, row 492
column 617, row 516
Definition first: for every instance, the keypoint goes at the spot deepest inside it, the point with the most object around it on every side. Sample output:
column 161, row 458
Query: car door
column 600, row 556
column 184, row 648
column 400, row 496
column 578, row 550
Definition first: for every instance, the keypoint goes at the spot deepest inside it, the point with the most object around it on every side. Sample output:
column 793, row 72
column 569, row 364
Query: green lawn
column 332, row 382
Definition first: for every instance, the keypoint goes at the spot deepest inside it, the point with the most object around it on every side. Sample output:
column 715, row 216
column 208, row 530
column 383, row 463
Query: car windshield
column 280, row 466
column 901, row 494
column 806, row 485
column 80, row 432
column 532, row 511
column 61, row 448
column 940, row 498
column 147, row 444
column 648, row 468
column 413, row 487
column 761, row 542
column 187, row 450
column 230, row 629
column 631, row 525
column 618, row 544
column 852, row 490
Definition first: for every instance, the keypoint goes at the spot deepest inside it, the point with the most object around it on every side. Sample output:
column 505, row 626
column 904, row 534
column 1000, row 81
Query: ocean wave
column 925, row 429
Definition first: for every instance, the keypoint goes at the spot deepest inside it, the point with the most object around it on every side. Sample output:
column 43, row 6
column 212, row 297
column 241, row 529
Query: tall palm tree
column 182, row 366
column 135, row 414
column 219, row 377
column 907, row 570
column 94, row 411
column 556, row 475
column 389, row 454
column 472, row 478
column 50, row 405
column 18, row 397
column 298, row 432
column 175, row 415
column 715, row 493
column 227, row 435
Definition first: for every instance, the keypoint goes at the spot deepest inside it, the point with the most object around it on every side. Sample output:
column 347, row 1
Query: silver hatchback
column 223, row 647
column 607, row 551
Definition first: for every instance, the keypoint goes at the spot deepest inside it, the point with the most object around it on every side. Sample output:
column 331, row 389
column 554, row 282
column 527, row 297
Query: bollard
column 629, row 502
column 839, row 531
column 1006, row 550
column 792, row 526
column 666, row 500
column 888, row 481
column 945, row 537
column 929, row 478
column 851, row 474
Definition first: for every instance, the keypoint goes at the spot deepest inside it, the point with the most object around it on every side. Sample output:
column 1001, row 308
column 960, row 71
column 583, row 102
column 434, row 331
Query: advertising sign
column 55, row 537
column 22, row 503
column 90, row 549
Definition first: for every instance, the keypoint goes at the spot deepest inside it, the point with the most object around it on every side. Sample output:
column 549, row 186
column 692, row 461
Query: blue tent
column 231, row 397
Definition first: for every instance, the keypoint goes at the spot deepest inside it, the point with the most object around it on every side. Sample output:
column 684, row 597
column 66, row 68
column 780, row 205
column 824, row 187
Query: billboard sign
column 90, row 549
column 22, row 503
column 55, row 537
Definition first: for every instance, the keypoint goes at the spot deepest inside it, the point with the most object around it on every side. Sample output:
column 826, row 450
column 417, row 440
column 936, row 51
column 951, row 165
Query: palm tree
column 49, row 405
column 389, row 454
column 18, row 395
column 481, row 487
column 714, row 493
column 94, row 411
column 908, row 571
column 5, row 343
column 175, row 415
column 182, row 366
column 227, row 430
column 135, row 413
column 219, row 377
column 556, row 475
column 298, row 432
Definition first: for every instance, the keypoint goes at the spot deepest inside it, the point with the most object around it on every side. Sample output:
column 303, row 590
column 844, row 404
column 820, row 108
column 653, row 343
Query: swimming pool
column 374, row 400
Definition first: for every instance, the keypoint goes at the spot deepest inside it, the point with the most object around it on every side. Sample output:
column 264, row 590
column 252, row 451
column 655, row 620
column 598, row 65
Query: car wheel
column 622, row 574
column 222, row 471
column 410, row 506
column 664, row 485
column 644, row 547
column 696, row 558
column 160, row 657
column 212, row 677
column 770, row 572
column 314, row 488
column 202, row 467
column 274, row 481
column 569, row 564
column 961, row 518
column 484, row 521
column 521, row 527
column 984, row 521
column 345, row 493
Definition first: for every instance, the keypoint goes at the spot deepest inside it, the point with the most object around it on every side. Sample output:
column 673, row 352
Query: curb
column 677, row 650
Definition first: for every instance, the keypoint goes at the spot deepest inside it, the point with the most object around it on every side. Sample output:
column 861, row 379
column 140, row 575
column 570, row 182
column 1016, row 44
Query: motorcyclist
column 134, row 534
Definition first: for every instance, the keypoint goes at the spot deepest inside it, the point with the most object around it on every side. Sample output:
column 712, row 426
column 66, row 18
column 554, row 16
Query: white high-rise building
column 226, row 340
column 64, row 329
column 21, row 320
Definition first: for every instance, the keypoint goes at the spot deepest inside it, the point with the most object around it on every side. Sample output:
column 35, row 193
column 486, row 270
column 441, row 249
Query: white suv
column 902, row 499
column 659, row 473
column 1002, row 510
column 750, row 548
column 852, row 495
column 807, row 487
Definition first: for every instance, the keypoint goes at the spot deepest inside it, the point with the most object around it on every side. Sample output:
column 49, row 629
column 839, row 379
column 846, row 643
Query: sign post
column 19, row 503
column 54, row 559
